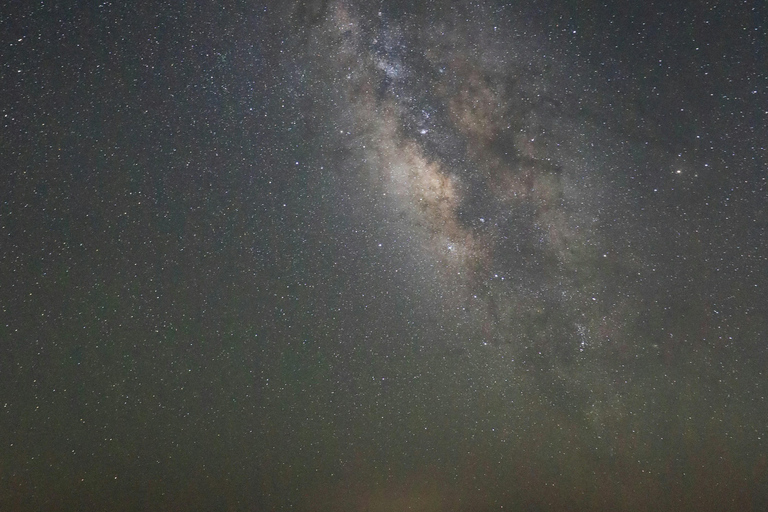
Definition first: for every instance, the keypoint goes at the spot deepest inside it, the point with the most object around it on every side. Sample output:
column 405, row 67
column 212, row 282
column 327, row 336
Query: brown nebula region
column 458, row 154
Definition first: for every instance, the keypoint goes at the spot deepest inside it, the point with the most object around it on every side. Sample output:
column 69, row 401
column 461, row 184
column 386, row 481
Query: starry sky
column 331, row 255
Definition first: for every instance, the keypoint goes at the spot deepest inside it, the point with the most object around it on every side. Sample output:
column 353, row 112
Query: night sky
column 384, row 256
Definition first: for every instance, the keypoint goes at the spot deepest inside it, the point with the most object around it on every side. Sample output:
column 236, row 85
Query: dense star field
column 373, row 256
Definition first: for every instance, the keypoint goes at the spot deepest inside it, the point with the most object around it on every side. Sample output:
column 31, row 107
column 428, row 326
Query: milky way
column 465, row 145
